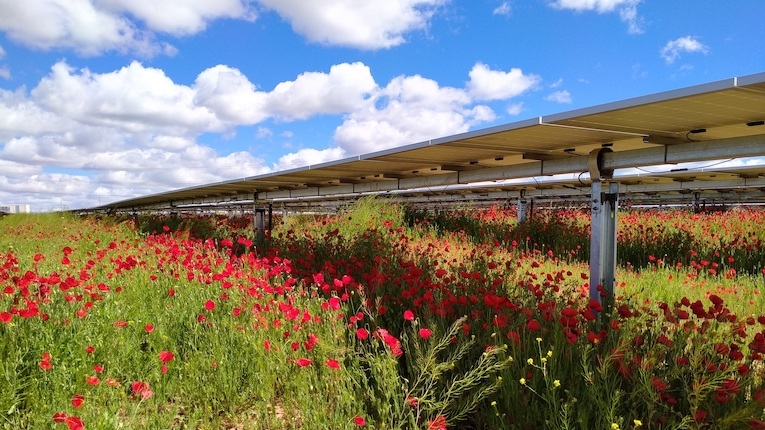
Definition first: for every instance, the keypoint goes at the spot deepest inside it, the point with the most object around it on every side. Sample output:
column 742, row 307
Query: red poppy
column 303, row 362
column 360, row 421
column 149, row 328
column 92, row 380
column 75, row 423
column 362, row 334
column 90, row 349
column 209, row 305
column 142, row 389
column 533, row 325
column 166, row 356
column 6, row 317
column 78, row 400
column 59, row 417
column 332, row 363
column 425, row 333
column 408, row 315
column 45, row 363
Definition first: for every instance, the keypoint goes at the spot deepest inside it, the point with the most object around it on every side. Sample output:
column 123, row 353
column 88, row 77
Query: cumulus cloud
column 413, row 108
column 627, row 10
column 674, row 48
column 562, row 96
column 92, row 27
column 307, row 157
column 365, row 25
column 135, row 131
column 343, row 89
column 180, row 17
column 487, row 84
column 133, row 99
column 230, row 94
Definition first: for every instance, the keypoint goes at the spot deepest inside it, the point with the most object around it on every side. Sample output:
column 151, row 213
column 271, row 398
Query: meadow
column 381, row 317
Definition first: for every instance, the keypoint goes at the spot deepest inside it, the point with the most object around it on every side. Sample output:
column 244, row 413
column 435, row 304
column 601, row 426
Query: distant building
column 15, row 209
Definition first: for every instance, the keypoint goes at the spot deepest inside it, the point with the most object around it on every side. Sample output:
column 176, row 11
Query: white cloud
column 180, row 17
column 132, row 99
column 557, row 83
column 487, row 84
column 5, row 72
column 74, row 24
column 308, row 157
column 600, row 6
column 344, row 89
column 135, row 131
column 409, row 109
column 365, row 25
column 562, row 96
column 264, row 132
column 503, row 9
column 92, row 27
column 627, row 10
column 515, row 109
column 228, row 93
column 20, row 116
column 674, row 48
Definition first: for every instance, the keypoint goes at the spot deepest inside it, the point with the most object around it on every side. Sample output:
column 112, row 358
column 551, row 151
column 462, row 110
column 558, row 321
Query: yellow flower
column 530, row 361
column 539, row 339
column 549, row 353
column 638, row 423
column 614, row 426
column 522, row 381
column 556, row 383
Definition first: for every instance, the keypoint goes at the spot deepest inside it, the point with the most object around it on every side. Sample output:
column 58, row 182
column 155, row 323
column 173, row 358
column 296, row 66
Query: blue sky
column 102, row 100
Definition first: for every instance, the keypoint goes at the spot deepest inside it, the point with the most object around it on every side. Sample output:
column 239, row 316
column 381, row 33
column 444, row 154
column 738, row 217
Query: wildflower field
column 381, row 317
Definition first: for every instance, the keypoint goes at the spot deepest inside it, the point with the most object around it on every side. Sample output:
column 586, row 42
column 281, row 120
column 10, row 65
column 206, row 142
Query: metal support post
column 270, row 216
column 603, row 243
column 604, row 207
column 696, row 202
column 522, row 202
column 260, row 225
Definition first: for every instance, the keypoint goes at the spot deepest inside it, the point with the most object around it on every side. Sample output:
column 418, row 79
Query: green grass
column 280, row 350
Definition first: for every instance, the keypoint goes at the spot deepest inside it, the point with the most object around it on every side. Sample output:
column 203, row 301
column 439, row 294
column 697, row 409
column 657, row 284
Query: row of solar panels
column 724, row 119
